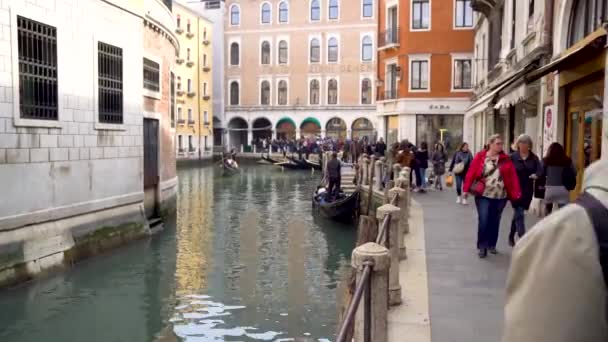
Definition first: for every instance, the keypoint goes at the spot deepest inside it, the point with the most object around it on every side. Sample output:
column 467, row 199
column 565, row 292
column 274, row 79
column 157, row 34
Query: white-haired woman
column 528, row 168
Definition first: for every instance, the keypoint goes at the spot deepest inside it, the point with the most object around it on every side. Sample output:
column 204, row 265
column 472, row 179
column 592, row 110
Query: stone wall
column 71, row 184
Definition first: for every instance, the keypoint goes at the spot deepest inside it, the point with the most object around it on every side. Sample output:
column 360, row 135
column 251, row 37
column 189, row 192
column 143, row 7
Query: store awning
column 284, row 120
column 594, row 42
column 310, row 120
column 511, row 98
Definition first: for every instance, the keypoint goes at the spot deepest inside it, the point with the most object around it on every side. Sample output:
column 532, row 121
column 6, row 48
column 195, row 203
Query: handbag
column 537, row 205
column 478, row 187
column 449, row 181
column 458, row 168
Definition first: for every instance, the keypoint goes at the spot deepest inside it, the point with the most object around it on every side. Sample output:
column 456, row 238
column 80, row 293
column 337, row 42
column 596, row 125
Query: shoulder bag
column 479, row 185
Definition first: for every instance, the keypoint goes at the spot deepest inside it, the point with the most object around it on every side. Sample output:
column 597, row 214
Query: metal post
column 392, row 243
column 403, row 220
column 378, row 313
column 365, row 170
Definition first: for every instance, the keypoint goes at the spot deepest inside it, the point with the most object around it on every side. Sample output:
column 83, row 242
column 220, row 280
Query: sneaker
column 464, row 201
column 458, row 200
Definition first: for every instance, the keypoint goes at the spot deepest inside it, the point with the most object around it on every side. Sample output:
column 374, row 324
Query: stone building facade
column 299, row 68
column 72, row 131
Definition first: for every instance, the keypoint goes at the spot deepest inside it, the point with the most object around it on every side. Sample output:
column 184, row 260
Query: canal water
column 243, row 260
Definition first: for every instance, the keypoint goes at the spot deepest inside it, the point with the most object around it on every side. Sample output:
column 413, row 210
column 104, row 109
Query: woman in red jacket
column 492, row 179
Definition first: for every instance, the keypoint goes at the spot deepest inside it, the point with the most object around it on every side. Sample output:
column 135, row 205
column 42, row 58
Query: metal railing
column 363, row 285
column 373, row 176
column 388, row 37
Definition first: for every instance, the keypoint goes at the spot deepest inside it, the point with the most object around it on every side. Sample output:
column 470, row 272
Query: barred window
column 332, row 91
column 366, row 91
column 314, row 92
column 110, row 83
column 315, row 51
column 151, row 75
column 37, row 69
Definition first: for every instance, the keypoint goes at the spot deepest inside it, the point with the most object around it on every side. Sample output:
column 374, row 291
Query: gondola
column 292, row 166
column 269, row 159
column 302, row 162
column 313, row 165
column 343, row 209
column 228, row 170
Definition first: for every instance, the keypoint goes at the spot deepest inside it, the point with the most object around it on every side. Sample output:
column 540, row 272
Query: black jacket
column 333, row 169
column 422, row 159
column 524, row 169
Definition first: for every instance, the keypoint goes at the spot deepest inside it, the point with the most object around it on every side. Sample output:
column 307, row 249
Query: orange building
column 425, row 58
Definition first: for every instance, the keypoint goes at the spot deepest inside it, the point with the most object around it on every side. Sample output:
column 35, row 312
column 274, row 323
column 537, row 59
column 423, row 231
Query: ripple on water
column 194, row 320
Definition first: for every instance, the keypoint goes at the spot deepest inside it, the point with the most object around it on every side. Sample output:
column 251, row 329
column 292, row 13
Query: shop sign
column 440, row 107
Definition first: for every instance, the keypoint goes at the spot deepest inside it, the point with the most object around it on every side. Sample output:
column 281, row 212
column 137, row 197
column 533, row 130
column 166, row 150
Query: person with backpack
column 492, row 179
column 557, row 283
column 559, row 177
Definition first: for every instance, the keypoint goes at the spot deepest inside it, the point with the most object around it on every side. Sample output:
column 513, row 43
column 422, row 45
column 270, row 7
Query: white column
column 391, row 237
column 249, row 136
column 298, row 134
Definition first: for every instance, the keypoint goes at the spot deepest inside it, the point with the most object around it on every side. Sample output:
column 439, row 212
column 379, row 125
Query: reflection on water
column 244, row 261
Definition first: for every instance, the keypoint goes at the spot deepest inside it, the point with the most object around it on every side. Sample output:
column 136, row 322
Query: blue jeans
column 459, row 181
column 489, row 211
column 518, row 223
column 421, row 177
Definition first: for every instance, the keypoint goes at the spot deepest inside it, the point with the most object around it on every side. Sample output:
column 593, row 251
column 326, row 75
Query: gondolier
column 334, row 175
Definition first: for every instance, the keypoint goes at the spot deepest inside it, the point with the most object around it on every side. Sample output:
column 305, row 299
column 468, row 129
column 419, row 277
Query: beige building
column 299, row 68
column 194, row 133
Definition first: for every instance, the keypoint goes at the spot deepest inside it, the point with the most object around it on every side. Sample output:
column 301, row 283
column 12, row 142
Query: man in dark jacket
column 380, row 148
column 334, row 175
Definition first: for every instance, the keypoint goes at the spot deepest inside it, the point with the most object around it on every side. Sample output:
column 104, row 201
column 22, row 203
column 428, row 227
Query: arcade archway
column 286, row 129
column 362, row 128
column 237, row 132
column 310, row 128
column 335, row 129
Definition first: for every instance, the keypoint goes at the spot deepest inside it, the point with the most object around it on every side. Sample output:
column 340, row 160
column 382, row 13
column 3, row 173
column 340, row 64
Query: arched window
column 315, row 51
column 333, row 9
column 283, row 53
column 266, row 15
column 265, row 93
column 366, row 91
column 586, row 17
column 368, row 8
column 234, row 93
column 283, row 12
column 265, row 52
column 235, row 15
column 234, row 54
column 315, row 10
column 282, row 100
column 332, row 50
column 332, row 91
column 314, row 92
column 367, row 50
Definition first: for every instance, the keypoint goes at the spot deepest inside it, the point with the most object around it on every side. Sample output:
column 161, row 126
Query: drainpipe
column 198, row 73
column 548, row 26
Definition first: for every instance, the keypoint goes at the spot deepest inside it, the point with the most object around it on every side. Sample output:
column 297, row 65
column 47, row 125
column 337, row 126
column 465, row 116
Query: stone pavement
column 465, row 294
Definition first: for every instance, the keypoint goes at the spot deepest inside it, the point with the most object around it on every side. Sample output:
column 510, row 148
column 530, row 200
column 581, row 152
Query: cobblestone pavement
column 466, row 294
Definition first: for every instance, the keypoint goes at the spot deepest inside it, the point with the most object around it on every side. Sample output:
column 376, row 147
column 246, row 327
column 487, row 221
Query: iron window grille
column 332, row 92
column 314, row 92
column 152, row 75
column 315, row 51
column 110, row 83
column 37, row 51
column 332, row 50
column 283, row 52
column 366, row 91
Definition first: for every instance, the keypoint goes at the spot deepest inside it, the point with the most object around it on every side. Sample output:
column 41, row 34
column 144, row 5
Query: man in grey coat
column 556, row 291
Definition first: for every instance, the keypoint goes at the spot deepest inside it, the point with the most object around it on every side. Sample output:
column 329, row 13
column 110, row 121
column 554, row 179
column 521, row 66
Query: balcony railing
column 389, row 38
column 206, row 69
column 390, row 94
column 191, row 94
column 206, row 97
column 191, row 149
column 191, row 122
column 206, row 42
column 181, row 121
column 189, row 63
column 189, row 34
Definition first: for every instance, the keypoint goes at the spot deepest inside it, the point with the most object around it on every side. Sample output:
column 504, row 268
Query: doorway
column 584, row 125
column 151, row 175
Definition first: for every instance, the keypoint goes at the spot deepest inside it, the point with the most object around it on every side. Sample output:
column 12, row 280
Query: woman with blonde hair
column 491, row 179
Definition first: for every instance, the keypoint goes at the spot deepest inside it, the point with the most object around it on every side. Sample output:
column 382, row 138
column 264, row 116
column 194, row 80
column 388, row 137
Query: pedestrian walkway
column 465, row 294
